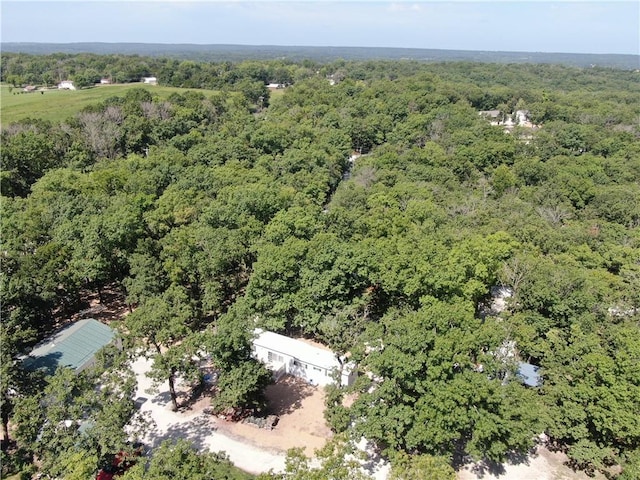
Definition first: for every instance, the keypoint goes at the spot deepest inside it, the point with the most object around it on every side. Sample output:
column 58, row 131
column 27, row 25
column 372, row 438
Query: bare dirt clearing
column 113, row 307
column 299, row 407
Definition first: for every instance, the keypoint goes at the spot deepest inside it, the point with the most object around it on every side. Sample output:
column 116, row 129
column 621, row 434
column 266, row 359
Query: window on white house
column 274, row 357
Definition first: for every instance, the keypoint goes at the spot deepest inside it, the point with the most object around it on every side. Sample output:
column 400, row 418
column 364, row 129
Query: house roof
column 295, row 348
column 529, row 374
column 73, row 346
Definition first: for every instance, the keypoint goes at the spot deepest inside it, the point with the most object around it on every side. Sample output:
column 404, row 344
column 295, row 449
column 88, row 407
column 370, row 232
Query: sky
column 568, row 26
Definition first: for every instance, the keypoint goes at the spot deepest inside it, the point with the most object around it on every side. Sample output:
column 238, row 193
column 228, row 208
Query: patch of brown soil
column 299, row 407
column 113, row 306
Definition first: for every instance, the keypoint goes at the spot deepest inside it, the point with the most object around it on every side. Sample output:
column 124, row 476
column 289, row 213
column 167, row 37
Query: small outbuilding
column 74, row 346
column 66, row 85
column 150, row 80
column 286, row 355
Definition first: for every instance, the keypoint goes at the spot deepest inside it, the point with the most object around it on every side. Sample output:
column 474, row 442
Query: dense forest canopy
column 238, row 53
column 371, row 207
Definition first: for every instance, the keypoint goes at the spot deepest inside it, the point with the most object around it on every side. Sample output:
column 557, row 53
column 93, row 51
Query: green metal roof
column 74, row 346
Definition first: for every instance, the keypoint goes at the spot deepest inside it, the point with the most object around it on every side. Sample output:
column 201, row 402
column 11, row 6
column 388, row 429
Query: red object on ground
column 102, row 475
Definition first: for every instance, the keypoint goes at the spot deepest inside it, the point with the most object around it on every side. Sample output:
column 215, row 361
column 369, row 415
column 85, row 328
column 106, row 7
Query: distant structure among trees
column 66, row 85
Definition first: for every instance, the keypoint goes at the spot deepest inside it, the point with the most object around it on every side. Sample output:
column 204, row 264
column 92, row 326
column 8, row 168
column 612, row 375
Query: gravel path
column 197, row 427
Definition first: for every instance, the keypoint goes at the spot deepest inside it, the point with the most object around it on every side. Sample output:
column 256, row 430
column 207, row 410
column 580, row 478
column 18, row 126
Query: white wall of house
column 287, row 355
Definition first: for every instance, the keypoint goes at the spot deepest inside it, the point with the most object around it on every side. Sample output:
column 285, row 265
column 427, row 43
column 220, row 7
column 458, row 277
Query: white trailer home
column 285, row 355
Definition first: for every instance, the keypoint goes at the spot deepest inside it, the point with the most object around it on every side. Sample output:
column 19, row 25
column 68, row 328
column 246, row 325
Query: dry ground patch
column 299, row 407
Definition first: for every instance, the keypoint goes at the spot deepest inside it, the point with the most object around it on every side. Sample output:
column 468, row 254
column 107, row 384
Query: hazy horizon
column 587, row 27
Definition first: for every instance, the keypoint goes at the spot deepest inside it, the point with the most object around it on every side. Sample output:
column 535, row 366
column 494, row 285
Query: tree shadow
column 46, row 364
column 187, row 399
column 196, row 431
column 163, row 398
column 286, row 395
column 105, row 307
column 489, row 467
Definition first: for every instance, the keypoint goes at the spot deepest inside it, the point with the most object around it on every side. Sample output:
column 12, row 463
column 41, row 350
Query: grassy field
column 58, row 105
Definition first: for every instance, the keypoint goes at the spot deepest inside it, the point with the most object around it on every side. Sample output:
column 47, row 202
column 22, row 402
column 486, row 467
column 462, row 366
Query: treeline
column 299, row 54
column 87, row 69
column 214, row 215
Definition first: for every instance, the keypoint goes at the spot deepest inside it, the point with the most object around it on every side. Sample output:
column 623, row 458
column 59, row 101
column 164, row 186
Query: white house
column 287, row 355
column 105, row 81
column 66, row 85
column 150, row 80
column 522, row 118
column 494, row 116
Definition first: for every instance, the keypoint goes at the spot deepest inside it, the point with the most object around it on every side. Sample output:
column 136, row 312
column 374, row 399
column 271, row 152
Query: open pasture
column 57, row 105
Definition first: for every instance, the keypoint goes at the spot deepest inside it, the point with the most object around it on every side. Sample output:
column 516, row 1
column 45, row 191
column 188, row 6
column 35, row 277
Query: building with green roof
column 74, row 346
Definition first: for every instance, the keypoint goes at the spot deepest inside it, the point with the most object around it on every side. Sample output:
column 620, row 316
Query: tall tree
column 162, row 323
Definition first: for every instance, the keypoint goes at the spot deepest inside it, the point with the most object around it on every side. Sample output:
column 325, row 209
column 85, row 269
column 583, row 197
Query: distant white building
column 285, row 355
column 150, row 80
column 275, row 86
column 518, row 118
column 494, row 116
column 66, row 85
column 522, row 118
column 105, row 81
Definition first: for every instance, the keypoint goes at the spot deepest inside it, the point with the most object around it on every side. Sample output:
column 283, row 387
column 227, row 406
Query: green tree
column 419, row 467
column 72, row 417
column 24, row 158
column 339, row 459
column 502, row 179
column 428, row 395
column 162, row 323
column 242, row 386
column 592, row 390
column 180, row 459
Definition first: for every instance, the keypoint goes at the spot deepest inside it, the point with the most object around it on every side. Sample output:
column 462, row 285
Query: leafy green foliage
column 181, row 460
column 338, row 459
column 218, row 212
column 417, row 467
column 77, row 419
